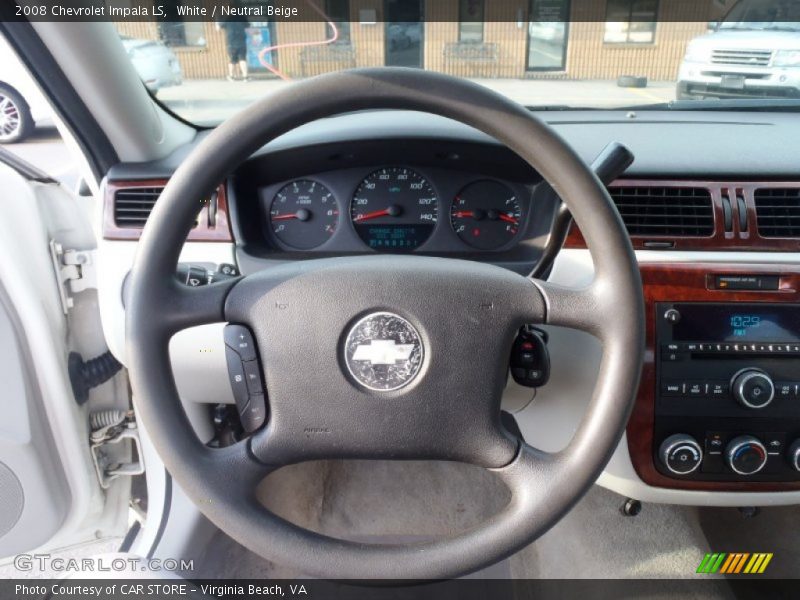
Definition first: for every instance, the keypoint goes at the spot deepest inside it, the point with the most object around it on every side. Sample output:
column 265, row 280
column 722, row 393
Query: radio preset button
column 717, row 389
column 673, row 388
column 787, row 389
column 696, row 389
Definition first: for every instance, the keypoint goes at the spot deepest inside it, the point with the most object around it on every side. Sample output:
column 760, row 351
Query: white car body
column 14, row 74
column 156, row 64
column 741, row 63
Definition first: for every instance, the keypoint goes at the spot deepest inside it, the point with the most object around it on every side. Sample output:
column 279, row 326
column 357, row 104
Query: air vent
column 132, row 206
column 665, row 211
column 778, row 212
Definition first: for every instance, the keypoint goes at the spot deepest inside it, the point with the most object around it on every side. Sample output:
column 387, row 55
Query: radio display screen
column 737, row 323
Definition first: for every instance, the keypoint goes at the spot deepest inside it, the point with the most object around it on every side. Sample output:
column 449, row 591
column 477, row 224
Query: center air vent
column 778, row 212
column 665, row 211
column 132, row 206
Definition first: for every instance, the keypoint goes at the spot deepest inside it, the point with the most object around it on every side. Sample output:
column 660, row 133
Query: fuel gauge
column 486, row 215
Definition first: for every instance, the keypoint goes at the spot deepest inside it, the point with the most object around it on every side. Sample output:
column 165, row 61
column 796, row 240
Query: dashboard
column 400, row 182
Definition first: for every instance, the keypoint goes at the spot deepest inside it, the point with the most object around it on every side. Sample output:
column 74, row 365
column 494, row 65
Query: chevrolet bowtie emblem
column 383, row 352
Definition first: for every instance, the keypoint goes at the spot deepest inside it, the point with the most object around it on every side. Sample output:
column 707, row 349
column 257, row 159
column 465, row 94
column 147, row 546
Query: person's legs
column 231, row 70
column 243, row 68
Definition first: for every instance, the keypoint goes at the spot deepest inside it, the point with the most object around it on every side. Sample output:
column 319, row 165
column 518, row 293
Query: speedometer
column 394, row 209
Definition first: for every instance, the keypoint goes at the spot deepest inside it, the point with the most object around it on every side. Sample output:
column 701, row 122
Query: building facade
column 570, row 39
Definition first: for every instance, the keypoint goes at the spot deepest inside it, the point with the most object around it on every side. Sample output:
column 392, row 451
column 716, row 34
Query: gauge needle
column 300, row 215
column 508, row 218
column 465, row 214
column 392, row 211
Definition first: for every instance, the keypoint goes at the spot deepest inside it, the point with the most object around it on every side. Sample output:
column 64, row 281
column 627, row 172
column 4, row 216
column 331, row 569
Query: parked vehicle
column 22, row 105
column 750, row 54
column 156, row 64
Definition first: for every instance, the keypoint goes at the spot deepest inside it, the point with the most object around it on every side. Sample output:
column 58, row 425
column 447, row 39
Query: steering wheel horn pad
column 465, row 313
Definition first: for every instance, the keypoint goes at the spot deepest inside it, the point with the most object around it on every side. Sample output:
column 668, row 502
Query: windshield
column 783, row 15
column 545, row 54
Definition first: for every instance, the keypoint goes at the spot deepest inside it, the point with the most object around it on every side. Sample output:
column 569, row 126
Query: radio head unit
column 728, row 396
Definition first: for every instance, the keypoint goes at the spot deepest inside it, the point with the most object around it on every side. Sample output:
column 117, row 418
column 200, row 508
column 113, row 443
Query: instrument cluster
column 396, row 209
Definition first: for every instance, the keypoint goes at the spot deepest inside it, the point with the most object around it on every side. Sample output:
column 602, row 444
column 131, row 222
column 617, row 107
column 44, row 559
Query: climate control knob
column 746, row 455
column 753, row 388
column 680, row 454
column 793, row 455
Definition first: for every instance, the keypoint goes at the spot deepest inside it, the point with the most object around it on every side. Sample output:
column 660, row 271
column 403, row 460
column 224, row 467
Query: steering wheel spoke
column 186, row 306
column 576, row 308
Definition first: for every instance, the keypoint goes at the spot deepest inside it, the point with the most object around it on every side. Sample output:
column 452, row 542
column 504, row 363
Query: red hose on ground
column 262, row 54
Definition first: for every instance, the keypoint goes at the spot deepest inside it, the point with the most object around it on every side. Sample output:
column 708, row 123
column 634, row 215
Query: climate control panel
column 743, row 455
column 727, row 403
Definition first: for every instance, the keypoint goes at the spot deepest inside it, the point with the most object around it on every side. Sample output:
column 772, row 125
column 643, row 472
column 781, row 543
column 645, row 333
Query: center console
column 718, row 407
column 727, row 401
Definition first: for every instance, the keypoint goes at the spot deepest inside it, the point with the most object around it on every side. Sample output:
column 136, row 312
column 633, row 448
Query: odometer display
column 394, row 209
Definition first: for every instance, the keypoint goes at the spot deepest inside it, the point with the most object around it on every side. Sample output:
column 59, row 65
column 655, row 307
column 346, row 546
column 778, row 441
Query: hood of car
column 746, row 39
column 144, row 46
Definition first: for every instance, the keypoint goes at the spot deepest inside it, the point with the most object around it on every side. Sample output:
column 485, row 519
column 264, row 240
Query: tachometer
column 303, row 214
column 394, row 209
column 486, row 214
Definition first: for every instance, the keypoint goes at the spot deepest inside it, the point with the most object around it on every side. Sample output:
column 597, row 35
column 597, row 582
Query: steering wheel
column 456, row 320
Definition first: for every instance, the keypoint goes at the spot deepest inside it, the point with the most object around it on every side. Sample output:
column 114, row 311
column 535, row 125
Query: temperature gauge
column 486, row 215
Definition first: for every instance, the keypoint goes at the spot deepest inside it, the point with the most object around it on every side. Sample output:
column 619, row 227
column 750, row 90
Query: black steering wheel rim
column 544, row 486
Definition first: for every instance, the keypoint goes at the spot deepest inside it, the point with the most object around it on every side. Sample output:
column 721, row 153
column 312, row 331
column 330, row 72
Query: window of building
column 182, row 33
column 174, row 31
column 470, row 21
column 338, row 12
column 631, row 21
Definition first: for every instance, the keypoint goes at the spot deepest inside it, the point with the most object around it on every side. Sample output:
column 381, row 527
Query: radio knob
column 746, row 455
column 681, row 454
column 752, row 388
column 793, row 455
